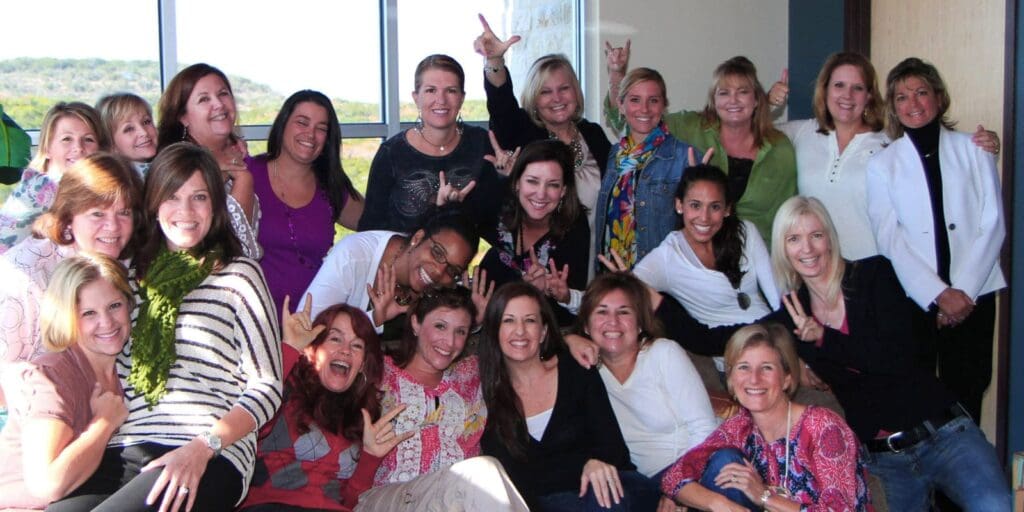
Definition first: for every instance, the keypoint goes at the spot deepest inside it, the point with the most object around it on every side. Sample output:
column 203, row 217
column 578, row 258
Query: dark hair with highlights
column 874, row 110
column 458, row 298
column 569, row 208
column 171, row 168
column 727, row 244
column 504, row 409
column 338, row 413
column 327, row 168
column 636, row 292
column 174, row 102
column 916, row 68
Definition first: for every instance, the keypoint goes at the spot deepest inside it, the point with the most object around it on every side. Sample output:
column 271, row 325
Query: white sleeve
column 334, row 282
column 983, row 255
column 761, row 264
column 686, row 396
column 651, row 269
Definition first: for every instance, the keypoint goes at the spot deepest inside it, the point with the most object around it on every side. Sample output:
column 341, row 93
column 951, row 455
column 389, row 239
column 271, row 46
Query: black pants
column 118, row 485
column 961, row 356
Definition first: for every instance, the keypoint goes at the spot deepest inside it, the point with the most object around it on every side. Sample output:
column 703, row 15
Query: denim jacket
column 655, row 196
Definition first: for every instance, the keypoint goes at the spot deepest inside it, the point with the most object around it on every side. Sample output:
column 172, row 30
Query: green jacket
column 772, row 178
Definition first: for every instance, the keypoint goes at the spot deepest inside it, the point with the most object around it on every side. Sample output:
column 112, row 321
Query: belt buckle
column 889, row 440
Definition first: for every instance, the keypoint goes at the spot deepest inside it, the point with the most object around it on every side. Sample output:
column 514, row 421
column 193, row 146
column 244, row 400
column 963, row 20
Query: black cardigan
column 872, row 370
column 514, row 128
column 582, row 427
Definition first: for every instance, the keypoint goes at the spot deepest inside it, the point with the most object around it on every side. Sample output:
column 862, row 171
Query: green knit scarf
column 170, row 277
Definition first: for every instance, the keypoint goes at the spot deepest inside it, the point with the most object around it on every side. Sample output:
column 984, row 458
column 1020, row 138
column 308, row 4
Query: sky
column 329, row 45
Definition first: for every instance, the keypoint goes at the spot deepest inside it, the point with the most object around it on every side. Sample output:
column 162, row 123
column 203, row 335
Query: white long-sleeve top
column 663, row 409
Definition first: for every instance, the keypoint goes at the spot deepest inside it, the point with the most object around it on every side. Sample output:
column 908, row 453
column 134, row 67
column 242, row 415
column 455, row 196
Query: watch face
column 212, row 441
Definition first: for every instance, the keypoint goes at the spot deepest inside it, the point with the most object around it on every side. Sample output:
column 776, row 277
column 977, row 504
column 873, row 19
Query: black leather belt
column 900, row 441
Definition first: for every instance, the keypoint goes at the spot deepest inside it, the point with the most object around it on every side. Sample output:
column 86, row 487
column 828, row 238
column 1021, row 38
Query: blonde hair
column 917, row 68
column 874, row 111
column 786, row 217
column 77, row 110
column 771, row 335
column 59, row 310
column 638, row 75
column 540, row 71
column 761, row 122
column 116, row 108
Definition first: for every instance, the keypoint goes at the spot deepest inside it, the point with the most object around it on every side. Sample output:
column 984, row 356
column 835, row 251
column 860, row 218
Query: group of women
column 159, row 263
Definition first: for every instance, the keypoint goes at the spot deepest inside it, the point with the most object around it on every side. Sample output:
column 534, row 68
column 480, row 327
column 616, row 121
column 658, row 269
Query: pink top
column 449, row 419
column 825, row 472
column 54, row 386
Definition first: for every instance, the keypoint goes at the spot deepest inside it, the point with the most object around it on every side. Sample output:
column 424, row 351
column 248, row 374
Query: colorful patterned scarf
column 171, row 276
column 620, row 221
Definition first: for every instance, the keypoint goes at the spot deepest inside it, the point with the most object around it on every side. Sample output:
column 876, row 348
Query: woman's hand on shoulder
column 108, row 406
column 297, row 328
column 583, row 350
column 604, row 479
column 489, row 45
column 379, row 437
column 987, row 140
column 183, row 468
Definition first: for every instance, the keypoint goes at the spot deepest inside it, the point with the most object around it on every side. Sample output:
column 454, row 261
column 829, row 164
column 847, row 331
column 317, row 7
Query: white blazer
column 900, row 210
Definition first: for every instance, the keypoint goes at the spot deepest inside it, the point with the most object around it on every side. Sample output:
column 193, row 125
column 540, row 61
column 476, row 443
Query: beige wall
column 964, row 40
column 684, row 40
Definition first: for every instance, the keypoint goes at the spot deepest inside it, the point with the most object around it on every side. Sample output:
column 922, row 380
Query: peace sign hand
column 379, row 438
column 489, row 45
column 297, row 328
column 537, row 274
column 691, row 156
column 502, row 159
column 449, row 193
column 807, row 328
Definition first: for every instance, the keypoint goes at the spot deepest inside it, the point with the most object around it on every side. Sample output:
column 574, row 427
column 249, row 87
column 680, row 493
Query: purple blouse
column 294, row 240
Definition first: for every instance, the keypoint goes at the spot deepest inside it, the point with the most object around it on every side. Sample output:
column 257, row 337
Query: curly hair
column 338, row 413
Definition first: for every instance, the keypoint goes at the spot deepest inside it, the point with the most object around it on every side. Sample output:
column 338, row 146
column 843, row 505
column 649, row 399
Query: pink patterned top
column 449, row 419
column 825, row 471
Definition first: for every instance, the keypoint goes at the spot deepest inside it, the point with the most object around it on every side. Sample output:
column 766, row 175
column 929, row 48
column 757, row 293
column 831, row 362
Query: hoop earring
column 67, row 234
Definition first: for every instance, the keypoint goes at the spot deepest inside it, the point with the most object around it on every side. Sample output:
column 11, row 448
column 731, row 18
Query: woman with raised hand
column 635, row 206
column 438, row 466
column 935, row 204
column 96, row 210
column 67, row 402
column 203, row 369
column 551, row 107
column 70, row 131
column 383, row 272
column 303, row 192
column 658, row 397
column 199, row 106
column 542, row 231
column 128, row 120
column 321, row 450
column 775, row 454
column 833, row 148
column 549, row 420
column 736, row 124
column 438, row 161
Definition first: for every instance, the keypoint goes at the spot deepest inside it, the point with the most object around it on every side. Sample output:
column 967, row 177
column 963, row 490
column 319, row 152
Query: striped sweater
column 229, row 354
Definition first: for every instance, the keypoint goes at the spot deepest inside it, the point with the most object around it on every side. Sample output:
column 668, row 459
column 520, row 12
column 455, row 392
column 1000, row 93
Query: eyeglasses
column 440, row 255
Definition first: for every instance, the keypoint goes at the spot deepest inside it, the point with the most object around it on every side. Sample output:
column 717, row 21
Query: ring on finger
column 183, row 490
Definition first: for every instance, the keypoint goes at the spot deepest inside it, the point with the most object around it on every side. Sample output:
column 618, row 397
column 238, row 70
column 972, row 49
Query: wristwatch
column 213, row 441
column 764, row 497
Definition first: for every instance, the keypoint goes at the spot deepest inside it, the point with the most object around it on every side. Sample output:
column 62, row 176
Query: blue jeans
column 957, row 459
column 717, row 461
column 633, row 484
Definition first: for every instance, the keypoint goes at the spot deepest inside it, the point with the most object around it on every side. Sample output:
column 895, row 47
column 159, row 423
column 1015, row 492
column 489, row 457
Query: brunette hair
column 639, row 300
column 174, row 102
column 569, row 207
column 98, row 180
column 771, row 335
column 338, row 413
column 761, row 123
column 171, row 168
column 59, row 309
column 917, row 68
column 727, row 244
column 47, row 132
column 540, row 71
column 504, row 409
column 327, row 167
column 432, row 298
column 874, row 111
column 442, row 62
column 115, row 108
column 789, row 213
